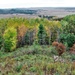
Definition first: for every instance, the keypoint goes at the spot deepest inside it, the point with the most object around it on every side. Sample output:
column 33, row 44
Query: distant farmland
column 36, row 12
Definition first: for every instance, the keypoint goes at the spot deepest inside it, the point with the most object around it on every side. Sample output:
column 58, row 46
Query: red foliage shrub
column 59, row 47
column 55, row 44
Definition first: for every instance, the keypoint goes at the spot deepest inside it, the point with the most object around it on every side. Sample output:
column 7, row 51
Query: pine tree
column 42, row 35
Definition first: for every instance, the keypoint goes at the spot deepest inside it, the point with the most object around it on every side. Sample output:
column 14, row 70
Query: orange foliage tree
column 21, row 31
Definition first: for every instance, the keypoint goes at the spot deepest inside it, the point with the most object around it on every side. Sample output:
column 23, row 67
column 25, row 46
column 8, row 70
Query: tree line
column 18, row 32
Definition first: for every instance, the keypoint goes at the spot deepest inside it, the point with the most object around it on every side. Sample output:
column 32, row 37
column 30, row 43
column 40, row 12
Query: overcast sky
column 36, row 3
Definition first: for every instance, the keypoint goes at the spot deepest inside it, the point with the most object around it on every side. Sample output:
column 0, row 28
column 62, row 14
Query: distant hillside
column 34, row 10
column 17, row 11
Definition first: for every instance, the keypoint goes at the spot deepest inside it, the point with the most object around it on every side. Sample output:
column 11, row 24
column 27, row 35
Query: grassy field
column 36, row 60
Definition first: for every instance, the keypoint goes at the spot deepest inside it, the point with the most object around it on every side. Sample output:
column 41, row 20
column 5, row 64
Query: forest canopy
column 44, row 32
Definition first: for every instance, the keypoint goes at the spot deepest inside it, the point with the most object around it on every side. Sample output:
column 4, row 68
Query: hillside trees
column 43, row 31
column 67, row 38
column 3, row 27
column 53, row 30
column 21, row 31
column 68, row 30
column 29, row 37
column 70, row 26
column 10, row 39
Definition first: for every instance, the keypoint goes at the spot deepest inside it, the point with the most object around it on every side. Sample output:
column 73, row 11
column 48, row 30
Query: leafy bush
column 10, row 39
column 69, row 38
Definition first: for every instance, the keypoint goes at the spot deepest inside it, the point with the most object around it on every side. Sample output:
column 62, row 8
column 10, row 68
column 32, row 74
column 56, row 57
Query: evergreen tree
column 42, row 35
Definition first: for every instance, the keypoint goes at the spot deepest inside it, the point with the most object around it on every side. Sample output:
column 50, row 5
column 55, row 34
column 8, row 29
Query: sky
column 36, row 3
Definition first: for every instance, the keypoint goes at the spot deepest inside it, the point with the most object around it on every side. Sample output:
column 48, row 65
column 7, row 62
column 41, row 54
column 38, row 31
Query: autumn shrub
column 10, row 39
column 55, row 44
column 59, row 47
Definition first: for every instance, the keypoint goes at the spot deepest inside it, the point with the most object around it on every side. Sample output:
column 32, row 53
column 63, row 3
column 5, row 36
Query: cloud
column 36, row 3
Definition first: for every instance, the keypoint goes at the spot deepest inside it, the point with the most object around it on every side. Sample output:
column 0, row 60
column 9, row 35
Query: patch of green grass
column 25, row 60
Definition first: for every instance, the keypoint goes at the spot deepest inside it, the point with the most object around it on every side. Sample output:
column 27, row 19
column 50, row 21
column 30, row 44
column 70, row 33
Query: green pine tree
column 42, row 35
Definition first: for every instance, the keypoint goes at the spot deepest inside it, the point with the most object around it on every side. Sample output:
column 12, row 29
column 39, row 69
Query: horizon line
column 38, row 7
